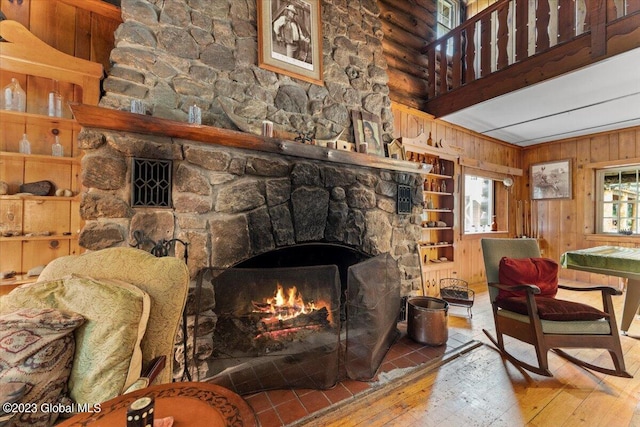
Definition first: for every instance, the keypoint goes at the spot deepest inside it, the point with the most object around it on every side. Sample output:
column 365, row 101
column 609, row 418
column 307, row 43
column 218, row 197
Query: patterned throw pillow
column 36, row 348
column 108, row 357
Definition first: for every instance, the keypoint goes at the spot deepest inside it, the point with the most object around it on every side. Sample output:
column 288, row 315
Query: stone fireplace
column 232, row 202
column 232, row 205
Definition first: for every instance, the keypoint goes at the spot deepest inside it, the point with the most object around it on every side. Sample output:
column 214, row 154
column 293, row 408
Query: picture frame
column 290, row 38
column 366, row 129
column 551, row 180
column 396, row 150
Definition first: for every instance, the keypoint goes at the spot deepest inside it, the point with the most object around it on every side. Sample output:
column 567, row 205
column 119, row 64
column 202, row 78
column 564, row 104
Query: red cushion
column 552, row 309
column 542, row 272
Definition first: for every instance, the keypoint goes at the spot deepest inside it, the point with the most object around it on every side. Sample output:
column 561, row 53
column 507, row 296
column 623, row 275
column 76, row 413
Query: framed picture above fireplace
column 290, row 39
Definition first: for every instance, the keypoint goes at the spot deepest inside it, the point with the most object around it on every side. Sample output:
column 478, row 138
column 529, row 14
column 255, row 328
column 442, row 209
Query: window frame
column 601, row 202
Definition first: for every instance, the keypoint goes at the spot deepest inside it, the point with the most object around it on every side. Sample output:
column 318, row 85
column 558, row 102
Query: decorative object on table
column 290, row 39
column 38, row 188
column 551, row 180
column 366, row 129
column 140, row 412
column 24, row 145
column 14, row 97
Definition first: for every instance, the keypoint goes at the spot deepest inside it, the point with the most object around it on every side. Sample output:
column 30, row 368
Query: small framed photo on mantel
column 551, row 180
column 290, row 38
column 366, row 129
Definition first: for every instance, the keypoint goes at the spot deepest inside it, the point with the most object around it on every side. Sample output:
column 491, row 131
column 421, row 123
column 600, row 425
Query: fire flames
column 289, row 306
column 286, row 313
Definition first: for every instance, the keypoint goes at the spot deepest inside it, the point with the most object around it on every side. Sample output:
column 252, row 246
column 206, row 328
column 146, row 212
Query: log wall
column 408, row 26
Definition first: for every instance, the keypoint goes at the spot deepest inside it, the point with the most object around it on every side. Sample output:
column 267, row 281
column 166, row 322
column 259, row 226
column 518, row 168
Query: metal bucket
column 427, row 320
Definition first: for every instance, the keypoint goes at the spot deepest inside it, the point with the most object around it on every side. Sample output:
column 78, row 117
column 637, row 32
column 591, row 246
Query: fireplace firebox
column 303, row 326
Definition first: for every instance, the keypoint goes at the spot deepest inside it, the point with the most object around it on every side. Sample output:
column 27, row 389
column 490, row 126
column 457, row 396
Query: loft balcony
column 529, row 72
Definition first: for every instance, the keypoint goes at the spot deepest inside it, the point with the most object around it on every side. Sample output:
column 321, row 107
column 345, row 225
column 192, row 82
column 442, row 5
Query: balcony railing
column 566, row 33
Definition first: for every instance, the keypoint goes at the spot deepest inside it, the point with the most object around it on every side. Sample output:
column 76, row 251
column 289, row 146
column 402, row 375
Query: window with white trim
column 478, row 204
column 618, row 199
column 447, row 13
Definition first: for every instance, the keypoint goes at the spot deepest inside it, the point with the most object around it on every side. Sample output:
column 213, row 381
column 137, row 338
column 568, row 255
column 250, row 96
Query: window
column 479, row 204
column 446, row 17
column 618, row 191
column 447, row 20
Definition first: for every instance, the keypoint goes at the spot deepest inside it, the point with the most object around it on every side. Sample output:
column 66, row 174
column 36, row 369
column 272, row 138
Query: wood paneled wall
column 569, row 224
column 410, row 122
column 82, row 28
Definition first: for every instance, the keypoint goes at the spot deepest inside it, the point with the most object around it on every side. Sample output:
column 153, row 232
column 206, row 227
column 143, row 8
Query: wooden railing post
column 522, row 29
column 542, row 26
column 598, row 19
column 503, row 36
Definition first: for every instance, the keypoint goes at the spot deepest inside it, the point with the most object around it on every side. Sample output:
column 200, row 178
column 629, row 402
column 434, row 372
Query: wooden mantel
column 104, row 118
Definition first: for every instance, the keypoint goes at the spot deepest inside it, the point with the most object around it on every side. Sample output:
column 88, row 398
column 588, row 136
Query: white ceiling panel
column 603, row 96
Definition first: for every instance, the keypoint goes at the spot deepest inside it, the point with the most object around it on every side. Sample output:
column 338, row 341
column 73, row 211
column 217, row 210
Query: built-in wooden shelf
column 124, row 121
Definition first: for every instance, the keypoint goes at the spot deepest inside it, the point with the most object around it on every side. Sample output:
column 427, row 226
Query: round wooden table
column 189, row 403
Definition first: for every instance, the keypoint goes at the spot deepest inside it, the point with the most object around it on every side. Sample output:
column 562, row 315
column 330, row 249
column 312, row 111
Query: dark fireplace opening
column 311, row 254
column 303, row 317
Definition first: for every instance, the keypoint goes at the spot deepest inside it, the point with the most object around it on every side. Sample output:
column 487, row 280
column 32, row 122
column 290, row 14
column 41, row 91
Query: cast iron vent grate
column 404, row 199
column 151, row 183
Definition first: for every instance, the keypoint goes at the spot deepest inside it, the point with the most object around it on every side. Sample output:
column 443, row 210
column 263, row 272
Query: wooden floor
column 480, row 389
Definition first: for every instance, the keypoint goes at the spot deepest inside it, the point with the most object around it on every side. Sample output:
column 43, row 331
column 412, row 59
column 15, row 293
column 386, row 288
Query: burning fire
column 286, row 313
column 289, row 306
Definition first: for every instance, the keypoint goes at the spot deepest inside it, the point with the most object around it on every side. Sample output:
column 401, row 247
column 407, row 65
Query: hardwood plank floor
column 480, row 389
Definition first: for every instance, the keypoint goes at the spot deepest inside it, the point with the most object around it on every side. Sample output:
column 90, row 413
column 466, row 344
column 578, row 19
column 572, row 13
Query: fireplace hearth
column 303, row 326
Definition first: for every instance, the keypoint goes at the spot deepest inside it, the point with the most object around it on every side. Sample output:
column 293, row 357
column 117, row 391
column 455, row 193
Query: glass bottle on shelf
column 24, row 145
column 443, row 186
column 57, row 149
column 494, row 224
column 55, row 101
column 14, row 97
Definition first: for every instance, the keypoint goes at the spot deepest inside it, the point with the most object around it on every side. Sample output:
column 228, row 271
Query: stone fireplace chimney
column 230, row 204
column 176, row 53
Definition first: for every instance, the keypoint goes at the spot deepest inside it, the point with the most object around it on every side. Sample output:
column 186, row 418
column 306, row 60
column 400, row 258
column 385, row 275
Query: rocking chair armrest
column 533, row 289
column 606, row 289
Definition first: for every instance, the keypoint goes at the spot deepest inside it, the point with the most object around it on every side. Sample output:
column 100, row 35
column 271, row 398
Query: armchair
column 527, row 310
column 131, row 302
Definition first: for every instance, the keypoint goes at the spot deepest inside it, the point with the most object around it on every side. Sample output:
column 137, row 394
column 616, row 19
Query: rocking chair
column 522, row 286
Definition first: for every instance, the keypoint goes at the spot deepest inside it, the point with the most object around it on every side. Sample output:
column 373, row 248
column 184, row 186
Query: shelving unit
column 36, row 229
column 438, row 219
column 437, row 244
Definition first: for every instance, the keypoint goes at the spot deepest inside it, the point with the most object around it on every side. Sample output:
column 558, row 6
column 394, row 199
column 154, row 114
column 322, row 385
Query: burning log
column 318, row 317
